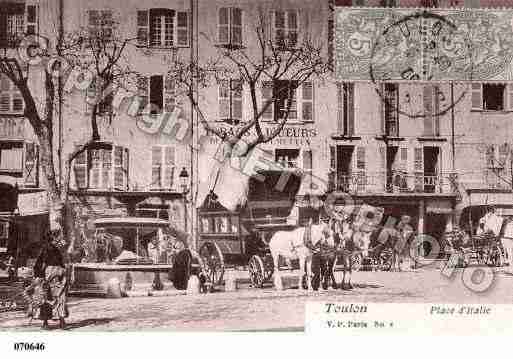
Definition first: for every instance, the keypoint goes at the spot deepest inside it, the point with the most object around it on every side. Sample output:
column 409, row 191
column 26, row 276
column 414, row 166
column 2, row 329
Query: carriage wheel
column 256, row 270
column 356, row 262
column 213, row 261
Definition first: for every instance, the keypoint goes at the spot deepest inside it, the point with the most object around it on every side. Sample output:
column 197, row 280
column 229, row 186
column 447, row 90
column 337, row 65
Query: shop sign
column 32, row 203
column 439, row 207
column 12, row 128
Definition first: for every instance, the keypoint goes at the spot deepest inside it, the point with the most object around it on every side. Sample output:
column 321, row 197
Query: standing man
column 406, row 233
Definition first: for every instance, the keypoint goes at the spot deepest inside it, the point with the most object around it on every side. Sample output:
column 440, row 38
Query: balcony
column 404, row 183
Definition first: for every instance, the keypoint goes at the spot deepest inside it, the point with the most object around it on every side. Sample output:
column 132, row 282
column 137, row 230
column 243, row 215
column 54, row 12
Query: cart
column 481, row 249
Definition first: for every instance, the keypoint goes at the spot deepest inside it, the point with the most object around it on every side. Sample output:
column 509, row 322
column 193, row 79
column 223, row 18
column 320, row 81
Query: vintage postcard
column 273, row 165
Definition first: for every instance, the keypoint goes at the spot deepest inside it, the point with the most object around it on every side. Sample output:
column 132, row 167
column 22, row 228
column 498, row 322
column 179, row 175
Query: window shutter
column 182, row 29
column 31, row 174
column 223, row 26
column 236, row 106
column 340, row 108
column 267, row 96
column 307, row 104
column 157, row 93
column 333, row 157
column 477, row 96
column 143, row 91
column 503, row 154
column 279, row 28
column 106, row 168
column 143, row 27
column 169, row 94
column 292, row 28
column 418, row 167
column 169, row 167
column 349, row 92
column 95, row 171
column 360, row 168
column 428, row 110
column 156, row 167
column 236, row 26
column 404, row 159
column 490, row 156
column 126, row 167
column 119, row 168
column 80, row 169
column 31, row 20
column 509, row 94
column 224, row 99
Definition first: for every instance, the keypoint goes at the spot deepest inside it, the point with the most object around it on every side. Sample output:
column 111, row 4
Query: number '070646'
column 24, row 346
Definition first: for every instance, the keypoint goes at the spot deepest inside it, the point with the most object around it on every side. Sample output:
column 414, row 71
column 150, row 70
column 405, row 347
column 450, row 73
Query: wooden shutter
column 80, row 168
column 236, row 100
column 31, row 20
column 383, row 159
column 156, row 167
column 182, row 29
column 236, row 26
column 340, row 108
column 143, row 92
column 95, row 170
column 418, row 166
column 267, row 96
column 106, row 168
column 279, row 33
column 349, row 93
column 292, row 28
column 403, row 164
column 503, row 155
column 509, row 94
column 223, row 26
column 224, row 99
column 360, row 168
column 477, row 96
column 428, row 110
column 31, row 174
column 169, row 94
column 157, row 93
column 169, row 167
column 119, row 168
column 143, row 29
column 307, row 97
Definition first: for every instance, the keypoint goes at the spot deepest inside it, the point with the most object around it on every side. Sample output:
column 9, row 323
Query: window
column 230, row 100
column 390, row 113
column 496, row 156
column 287, row 158
column 288, row 100
column 345, row 108
column 11, row 157
column 16, row 20
column 103, row 166
column 286, row 25
column 492, row 97
column 162, row 167
column 229, row 27
column 11, row 101
column 156, row 94
column 101, row 24
column 162, row 28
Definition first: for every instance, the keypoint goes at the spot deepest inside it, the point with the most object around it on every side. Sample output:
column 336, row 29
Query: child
column 37, row 297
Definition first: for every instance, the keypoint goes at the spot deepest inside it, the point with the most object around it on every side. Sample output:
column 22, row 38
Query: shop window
column 229, row 27
column 11, row 101
column 287, row 158
column 162, row 28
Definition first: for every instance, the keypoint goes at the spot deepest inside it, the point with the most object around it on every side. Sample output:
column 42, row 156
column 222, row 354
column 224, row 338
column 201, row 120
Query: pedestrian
column 406, row 234
column 50, row 266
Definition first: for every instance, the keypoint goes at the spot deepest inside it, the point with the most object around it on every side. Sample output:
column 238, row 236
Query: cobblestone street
column 258, row 309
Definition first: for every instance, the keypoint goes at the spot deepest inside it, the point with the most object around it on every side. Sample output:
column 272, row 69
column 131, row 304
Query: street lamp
column 184, row 184
column 184, row 180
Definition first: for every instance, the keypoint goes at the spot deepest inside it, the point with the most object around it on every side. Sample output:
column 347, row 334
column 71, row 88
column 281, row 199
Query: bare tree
column 289, row 59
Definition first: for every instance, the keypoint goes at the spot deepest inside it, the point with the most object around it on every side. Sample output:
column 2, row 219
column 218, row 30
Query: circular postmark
column 422, row 47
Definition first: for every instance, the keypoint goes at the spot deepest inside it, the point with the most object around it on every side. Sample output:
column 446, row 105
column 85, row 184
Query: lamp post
column 184, row 185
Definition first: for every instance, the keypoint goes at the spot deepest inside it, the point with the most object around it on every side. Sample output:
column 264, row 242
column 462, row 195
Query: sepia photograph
column 255, row 165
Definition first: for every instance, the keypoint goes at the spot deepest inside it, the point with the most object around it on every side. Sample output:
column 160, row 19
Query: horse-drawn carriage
column 241, row 238
column 482, row 249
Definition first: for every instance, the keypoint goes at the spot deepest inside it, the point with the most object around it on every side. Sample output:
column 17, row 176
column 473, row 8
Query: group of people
column 47, row 293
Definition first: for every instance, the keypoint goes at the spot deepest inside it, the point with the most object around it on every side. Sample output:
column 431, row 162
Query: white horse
column 291, row 245
column 503, row 230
